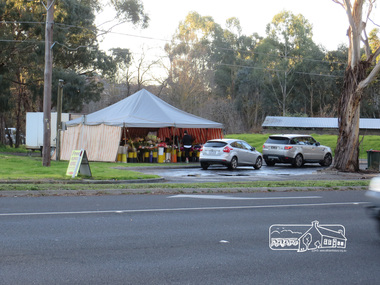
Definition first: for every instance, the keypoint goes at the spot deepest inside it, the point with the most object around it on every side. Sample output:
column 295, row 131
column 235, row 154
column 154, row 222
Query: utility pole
column 48, row 81
column 59, row 120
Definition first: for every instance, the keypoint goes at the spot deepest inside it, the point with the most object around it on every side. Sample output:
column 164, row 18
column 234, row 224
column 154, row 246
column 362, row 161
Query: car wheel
column 204, row 165
column 298, row 160
column 270, row 162
column 233, row 164
column 259, row 163
column 327, row 160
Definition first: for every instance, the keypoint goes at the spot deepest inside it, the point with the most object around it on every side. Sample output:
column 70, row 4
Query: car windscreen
column 215, row 144
column 278, row 140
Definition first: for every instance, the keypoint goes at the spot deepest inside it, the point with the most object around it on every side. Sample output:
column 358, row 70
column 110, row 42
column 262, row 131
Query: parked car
column 296, row 150
column 229, row 152
column 373, row 195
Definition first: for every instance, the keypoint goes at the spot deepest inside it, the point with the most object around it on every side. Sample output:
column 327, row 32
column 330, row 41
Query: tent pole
column 125, row 134
column 81, row 132
column 173, row 142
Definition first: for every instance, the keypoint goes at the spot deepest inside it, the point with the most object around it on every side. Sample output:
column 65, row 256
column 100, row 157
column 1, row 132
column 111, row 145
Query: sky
column 328, row 19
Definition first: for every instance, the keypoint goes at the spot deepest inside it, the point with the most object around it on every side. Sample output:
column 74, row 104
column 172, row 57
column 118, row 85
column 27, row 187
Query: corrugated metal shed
column 314, row 123
column 373, row 124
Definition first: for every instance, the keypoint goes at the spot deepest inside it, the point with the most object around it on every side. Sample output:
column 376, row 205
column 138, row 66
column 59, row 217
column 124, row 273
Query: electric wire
column 168, row 41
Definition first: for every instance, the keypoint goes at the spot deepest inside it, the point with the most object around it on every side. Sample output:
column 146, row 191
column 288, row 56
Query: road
column 183, row 239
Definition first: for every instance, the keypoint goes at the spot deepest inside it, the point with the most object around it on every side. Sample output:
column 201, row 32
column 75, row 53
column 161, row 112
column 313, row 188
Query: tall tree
column 189, row 55
column 290, row 38
column 359, row 74
column 77, row 58
column 312, row 96
column 370, row 106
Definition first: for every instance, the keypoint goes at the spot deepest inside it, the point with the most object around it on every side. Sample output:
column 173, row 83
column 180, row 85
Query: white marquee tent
column 101, row 132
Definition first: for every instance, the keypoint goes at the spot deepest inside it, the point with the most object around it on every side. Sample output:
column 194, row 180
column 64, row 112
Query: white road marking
column 180, row 209
column 225, row 197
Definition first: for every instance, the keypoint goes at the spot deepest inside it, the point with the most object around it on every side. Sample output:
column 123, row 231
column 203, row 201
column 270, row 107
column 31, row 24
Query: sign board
column 78, row 163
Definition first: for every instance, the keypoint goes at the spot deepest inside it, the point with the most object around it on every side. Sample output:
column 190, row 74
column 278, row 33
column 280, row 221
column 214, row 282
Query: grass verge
column 30, row 168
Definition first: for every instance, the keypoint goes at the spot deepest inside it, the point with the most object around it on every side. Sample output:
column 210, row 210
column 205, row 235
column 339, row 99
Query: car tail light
column 263, row 145
column 288, row 147
column 201, row 149
column 227, row 149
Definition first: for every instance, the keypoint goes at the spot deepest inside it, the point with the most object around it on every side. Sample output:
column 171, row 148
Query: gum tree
column 361, row 71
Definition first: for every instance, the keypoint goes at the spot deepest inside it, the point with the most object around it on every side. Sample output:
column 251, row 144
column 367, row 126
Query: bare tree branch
column 370, row 78
column 338, row 2
column 375, row 55
column 365, row 41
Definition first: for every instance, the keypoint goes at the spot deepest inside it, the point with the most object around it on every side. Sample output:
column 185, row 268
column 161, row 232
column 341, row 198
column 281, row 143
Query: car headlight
column 374, row 185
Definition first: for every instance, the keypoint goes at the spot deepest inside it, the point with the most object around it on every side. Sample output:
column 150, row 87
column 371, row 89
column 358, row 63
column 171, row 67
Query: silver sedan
column 231, row 153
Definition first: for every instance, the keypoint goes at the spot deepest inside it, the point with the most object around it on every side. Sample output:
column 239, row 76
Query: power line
column 168, row 41
column 276, row 70
column 164, row 40
column 215, row 63
column 21, row 22
column 70, row 48
column 21, row 41
column 374, row 22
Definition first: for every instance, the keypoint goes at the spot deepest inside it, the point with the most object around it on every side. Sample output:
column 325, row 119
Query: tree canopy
column 77, row 58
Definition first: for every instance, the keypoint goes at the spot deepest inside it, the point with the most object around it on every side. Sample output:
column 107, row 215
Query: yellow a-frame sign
column 78, row 163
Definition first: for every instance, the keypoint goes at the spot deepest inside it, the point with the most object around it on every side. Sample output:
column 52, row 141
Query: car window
column 215, row 144
column 246, row 145
column 278, row 140
column 308, row 140
column 240, row 145
column 294, row 141
column 302, row 141
column 235, row 144
column 312, row 141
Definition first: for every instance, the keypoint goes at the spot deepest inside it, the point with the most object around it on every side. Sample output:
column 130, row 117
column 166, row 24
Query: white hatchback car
column 296, row 150
column 229, row 152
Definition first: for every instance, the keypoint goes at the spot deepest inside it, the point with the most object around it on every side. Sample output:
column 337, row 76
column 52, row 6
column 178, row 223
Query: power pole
column 59, row 120
column 47, row 81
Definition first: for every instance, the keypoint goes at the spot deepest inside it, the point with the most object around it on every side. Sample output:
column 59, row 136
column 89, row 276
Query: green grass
column 368, row 143
column 7, row 148
column 25, row 167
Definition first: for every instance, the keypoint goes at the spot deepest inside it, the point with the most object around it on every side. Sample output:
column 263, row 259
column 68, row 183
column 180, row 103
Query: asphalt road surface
column 185, row 239
column 219, row 173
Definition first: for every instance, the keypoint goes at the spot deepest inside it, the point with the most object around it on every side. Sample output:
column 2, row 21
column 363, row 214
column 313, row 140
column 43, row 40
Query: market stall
column 139, row 122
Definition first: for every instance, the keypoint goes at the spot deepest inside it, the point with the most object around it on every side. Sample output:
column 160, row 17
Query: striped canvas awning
column 101, row 142
column 200, row 136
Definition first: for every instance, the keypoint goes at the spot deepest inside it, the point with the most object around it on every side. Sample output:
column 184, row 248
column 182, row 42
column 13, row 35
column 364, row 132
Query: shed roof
column 315, row 122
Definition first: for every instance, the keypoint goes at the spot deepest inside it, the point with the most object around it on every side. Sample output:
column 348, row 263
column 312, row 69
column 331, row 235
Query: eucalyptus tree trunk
column 359, row 74
column 347, row 149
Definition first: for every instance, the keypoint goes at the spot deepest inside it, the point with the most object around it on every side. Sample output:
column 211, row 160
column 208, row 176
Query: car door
column 250, row 155
column 239, row 151
column 307, row 148
column 317, row 151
